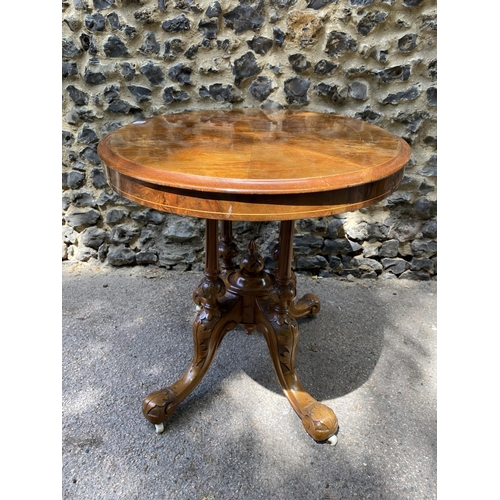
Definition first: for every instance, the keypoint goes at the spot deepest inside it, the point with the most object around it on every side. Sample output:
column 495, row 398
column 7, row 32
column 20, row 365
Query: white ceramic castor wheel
column 332, row 440
column 159, row 428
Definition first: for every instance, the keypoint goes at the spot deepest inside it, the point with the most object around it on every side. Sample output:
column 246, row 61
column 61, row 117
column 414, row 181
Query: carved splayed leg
column 209, row 328
column 281, row 331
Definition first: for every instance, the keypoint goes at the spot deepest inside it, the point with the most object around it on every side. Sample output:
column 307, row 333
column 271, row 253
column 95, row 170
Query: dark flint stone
column 393, row 74
column 93, row 78
column 429, row 229
column 115, row 215
column 147, row 216
column 114, row 21
column 121, row 106
column 150, row 45
column 188, row 5
column 88, row 43
column 283, row 4
column 246, row 16
column 424, row 247
column 337, row 246
column 98, row 178
column 429, row 22
column 90, row 154
column 319, row 4
column 412, row 120
column 361, row 2
column 245, row 67
column 261, row 88
column 123, row 233
column 79, row 97
column 214, row 10
column 171, row 95
column 338, row 43
column 389, row 248
column 395, row 265
column 382, row 56
column 260, row 44
column 370, row 21
column 87, row 136
column 79, row 219
column 180, row 23
column 305, row 243
column 327, row 90
column 299, row 63
column 223, row 44
column 369, row 116
column 432, row 70
column 422, row 265
column 80, row 4
column 146, row 258
column 218, row 93
column 93, row 237
column 141, row 94
column 407, row 95
column 120, row 255
column 432, row 96
column 407, row 43
column 209, row 29
column 296, row 89
column 191, row 52
column 95, row 22
column 114, row 47
column 127, row 71
column 324, row 67
column 358, row 90
column 75, row 180
column 425, row 208
column 83, row 199
column 173, row 48
column 129, row 31
column 111, row 93
column 180, row 73
column 102, row 4
column 412, row 3
column 69, row 49
column 279, row 36
column 312, row 263
column 69, row 69
column 67, row 138
column 153, row 73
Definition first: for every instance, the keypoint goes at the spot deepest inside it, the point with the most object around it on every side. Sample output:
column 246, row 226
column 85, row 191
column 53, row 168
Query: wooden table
column 251, row 165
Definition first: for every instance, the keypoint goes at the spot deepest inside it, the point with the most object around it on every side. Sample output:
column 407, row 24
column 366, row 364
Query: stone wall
column 370, row 59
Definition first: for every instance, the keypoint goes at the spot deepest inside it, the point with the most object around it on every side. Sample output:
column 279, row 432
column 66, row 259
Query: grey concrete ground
column 370, row 354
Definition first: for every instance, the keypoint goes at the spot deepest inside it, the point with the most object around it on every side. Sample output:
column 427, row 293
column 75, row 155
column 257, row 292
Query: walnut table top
column 253, row 165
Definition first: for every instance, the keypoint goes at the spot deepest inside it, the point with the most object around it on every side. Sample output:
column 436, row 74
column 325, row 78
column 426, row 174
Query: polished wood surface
column 244, row 164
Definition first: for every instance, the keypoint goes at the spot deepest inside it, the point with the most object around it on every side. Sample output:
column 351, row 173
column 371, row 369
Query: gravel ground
column 370, row 354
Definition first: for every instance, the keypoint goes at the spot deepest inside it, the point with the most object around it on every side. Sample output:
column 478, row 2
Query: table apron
column 248, row 207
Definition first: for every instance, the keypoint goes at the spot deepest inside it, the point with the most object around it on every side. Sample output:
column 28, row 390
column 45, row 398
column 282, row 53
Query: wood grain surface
column 249, row 164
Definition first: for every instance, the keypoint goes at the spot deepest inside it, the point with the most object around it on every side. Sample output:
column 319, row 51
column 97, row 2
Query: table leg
column 279, row 326
column 209, row 329
column 307, row 305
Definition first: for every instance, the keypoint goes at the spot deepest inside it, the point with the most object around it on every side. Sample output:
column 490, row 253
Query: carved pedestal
column 260, row 301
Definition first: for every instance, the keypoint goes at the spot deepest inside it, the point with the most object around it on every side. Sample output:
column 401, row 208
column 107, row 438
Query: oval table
column 251, row 165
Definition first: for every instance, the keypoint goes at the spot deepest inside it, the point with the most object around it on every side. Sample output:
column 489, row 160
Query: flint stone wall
column 370, row 59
